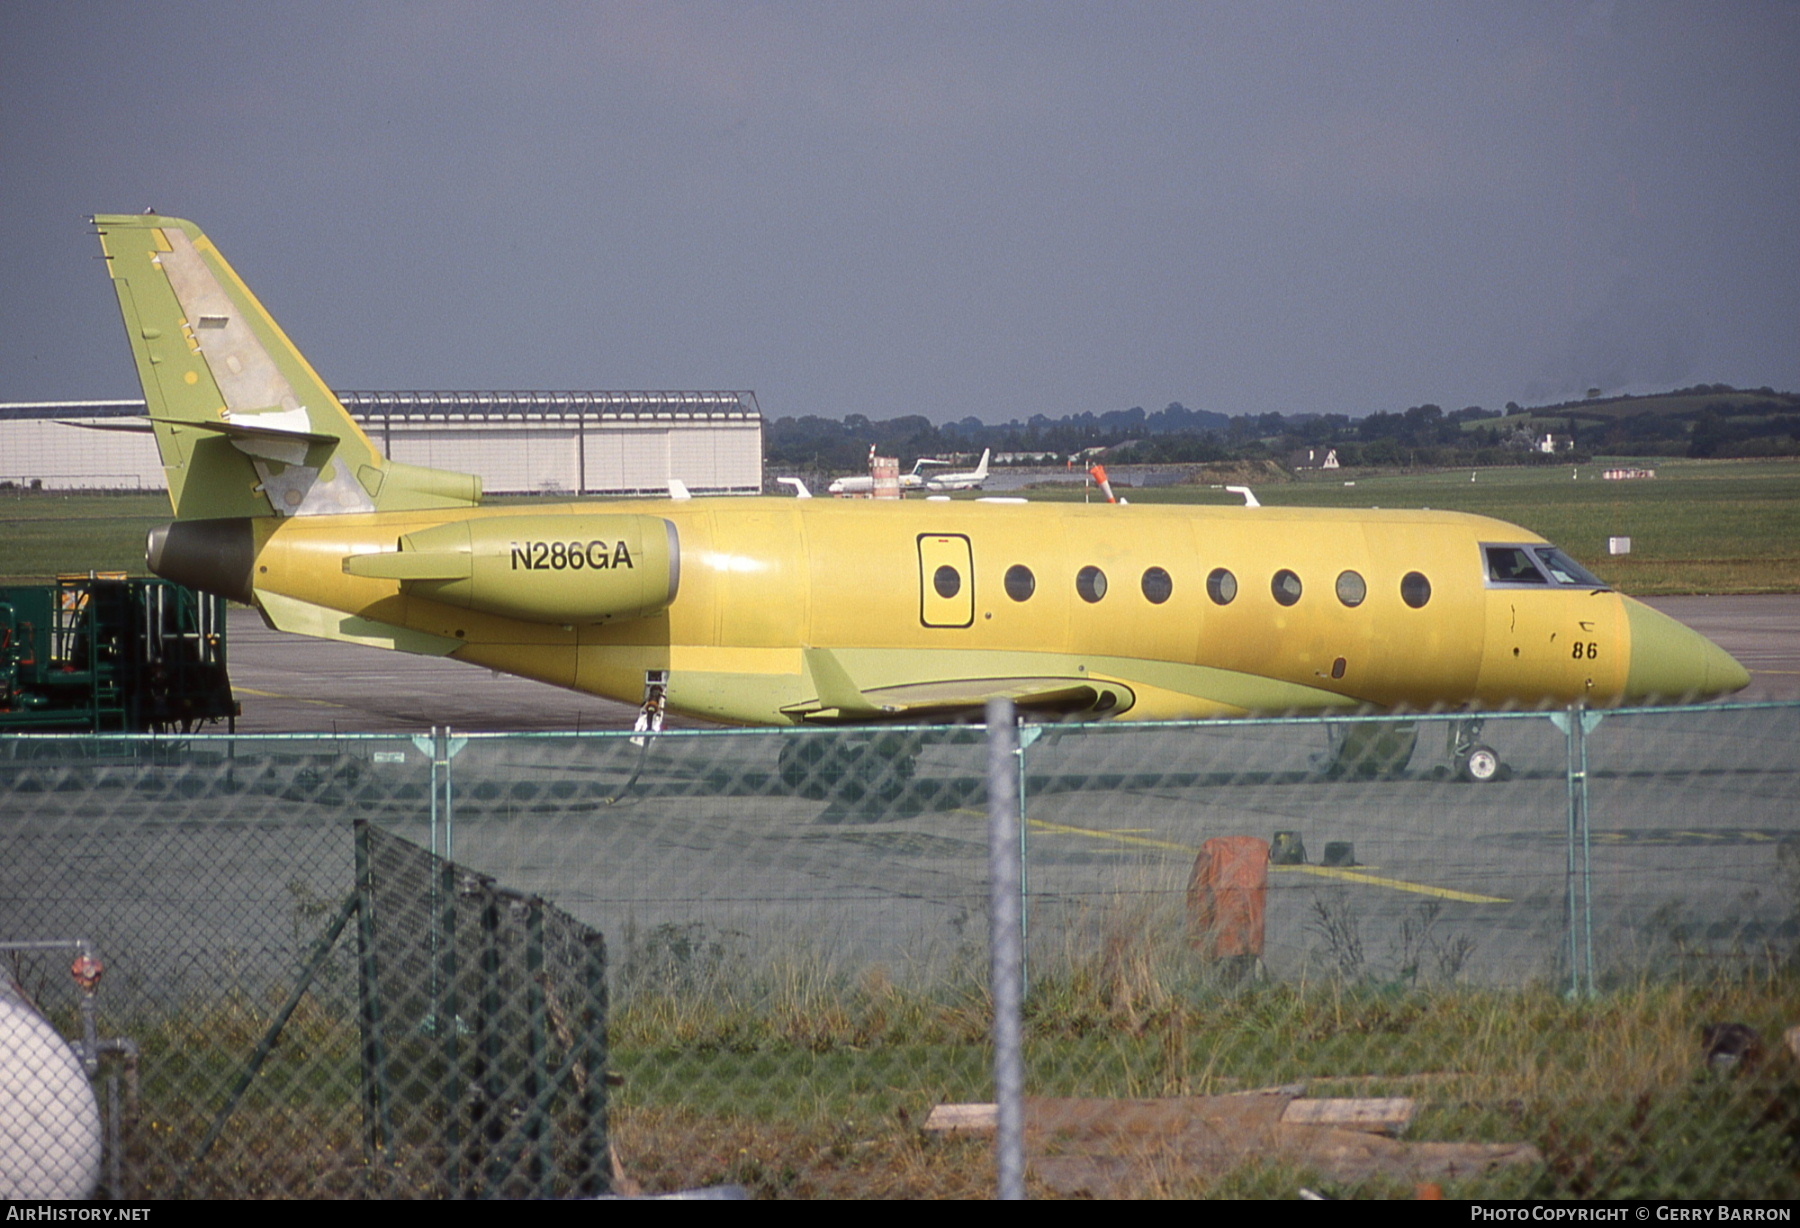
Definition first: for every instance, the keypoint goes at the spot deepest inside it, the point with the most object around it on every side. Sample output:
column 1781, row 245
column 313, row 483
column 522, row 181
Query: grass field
column 43, row 535
column 1698, row 527
column 800, row 1088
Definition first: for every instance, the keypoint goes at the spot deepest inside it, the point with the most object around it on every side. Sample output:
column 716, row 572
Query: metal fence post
column 538, row 1088
column 378, row 1129
column 488, row 1130
column 440, row 748
column 1025, row 736
column 1007, row 965
column 433, row 748
column 1587, row 723
column 447, row 1020
column 445, row 749
column 1576, row 724
column 596, row 1158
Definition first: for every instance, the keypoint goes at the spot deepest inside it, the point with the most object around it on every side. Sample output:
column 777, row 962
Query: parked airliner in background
column 918, row 479
column 969, row 479
column 796, row 611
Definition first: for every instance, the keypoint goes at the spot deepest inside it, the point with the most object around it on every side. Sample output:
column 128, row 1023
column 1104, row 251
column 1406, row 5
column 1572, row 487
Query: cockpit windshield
column 1565, row 570
column 1510, row 566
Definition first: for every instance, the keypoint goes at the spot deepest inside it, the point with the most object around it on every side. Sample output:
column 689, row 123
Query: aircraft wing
column 840, row 701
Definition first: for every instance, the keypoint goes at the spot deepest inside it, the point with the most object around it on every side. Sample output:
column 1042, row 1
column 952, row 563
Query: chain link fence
column 1324, row 914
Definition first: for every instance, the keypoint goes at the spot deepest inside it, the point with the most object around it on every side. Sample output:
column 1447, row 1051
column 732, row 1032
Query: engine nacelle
column 569, row 570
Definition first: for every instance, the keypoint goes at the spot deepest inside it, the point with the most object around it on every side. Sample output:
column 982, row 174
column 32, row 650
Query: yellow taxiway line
column 1145, row 841
column 250, row 690
column 1333, row 872
column 1397, row 884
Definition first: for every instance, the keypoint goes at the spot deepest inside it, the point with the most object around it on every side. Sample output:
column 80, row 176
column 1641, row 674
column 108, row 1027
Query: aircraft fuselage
column 776, row 611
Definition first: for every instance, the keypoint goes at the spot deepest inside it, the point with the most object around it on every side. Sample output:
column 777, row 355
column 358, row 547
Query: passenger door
column 946, row 580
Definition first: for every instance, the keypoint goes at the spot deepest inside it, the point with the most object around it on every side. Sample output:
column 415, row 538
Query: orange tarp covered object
column 1227, row 894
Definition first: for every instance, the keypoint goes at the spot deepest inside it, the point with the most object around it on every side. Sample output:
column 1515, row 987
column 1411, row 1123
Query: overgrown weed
column 799, row 1079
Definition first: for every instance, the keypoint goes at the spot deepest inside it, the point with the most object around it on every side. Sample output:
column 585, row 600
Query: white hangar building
column 540, row 443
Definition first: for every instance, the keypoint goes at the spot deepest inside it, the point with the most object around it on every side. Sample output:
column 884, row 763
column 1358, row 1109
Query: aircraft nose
column 1671, row 662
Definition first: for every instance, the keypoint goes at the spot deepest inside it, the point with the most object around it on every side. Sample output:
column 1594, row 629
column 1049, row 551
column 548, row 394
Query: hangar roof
column 462, row 406
column 739, row 405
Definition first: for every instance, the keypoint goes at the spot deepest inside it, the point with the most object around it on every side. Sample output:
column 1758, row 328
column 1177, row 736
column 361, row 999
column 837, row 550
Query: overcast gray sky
column 950, row 209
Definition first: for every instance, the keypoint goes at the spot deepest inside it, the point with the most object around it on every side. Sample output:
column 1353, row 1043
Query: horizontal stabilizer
column 131, row 426
column 268, row 442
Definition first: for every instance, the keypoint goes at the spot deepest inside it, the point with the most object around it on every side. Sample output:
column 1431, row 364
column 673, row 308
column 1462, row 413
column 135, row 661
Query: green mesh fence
column 483, row 1015
column 798, row 937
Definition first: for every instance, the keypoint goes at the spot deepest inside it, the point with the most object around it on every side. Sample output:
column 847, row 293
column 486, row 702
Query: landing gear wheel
column 802, row 767
column 879, row 767
column 1370, row 750
column 849, row 767
column 1478, row 765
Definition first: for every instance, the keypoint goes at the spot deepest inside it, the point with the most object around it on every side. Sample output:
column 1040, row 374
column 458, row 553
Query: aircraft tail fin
column 244, row 425
column 981, row 469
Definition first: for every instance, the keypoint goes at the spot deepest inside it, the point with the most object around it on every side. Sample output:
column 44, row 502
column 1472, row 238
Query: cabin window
column 1221, row 586
column 946, row 581
column 1020, row 583
column 1157, row 586
column 1090, row 582
column 1286, row 587
column 1351, row 588
column 1415, row 590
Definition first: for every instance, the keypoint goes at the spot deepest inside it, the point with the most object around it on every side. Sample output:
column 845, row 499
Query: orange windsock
column 1098, row 473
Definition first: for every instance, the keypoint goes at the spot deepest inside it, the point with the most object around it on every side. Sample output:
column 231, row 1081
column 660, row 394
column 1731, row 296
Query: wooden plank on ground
column 963, row 1118
column 1387, row 1115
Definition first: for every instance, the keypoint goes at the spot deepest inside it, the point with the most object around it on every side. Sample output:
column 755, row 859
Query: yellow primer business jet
column 794, row 611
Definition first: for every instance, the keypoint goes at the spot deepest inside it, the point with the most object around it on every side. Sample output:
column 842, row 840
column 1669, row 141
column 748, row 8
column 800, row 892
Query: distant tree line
column 1705, row 420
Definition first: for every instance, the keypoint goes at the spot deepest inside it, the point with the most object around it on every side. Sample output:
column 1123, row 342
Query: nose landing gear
column 1475, row 762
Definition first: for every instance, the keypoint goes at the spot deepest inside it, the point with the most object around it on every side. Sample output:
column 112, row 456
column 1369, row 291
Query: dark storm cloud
column 1630, row 342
